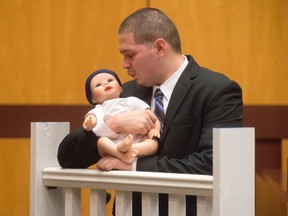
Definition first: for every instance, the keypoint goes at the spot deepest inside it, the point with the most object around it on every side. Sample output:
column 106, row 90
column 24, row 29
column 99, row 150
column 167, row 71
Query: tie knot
column 158, row 94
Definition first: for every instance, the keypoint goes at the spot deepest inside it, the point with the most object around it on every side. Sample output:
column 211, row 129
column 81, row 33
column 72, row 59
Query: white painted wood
column 45, row 138
column 123, row 203
column 204, row 206
column 150, row 204
column 72, row 201
column 233, row 170
column 233, row 183
column 177, row 205
column 152, row 182
column 97, row 202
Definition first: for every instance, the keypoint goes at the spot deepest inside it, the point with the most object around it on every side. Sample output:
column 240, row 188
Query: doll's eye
column 110, row 80
column 98, row 85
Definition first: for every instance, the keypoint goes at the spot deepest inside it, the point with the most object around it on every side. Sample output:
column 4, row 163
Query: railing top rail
column 172, row 183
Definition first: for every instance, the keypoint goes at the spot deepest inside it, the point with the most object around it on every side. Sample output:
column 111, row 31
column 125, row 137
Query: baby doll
column 103, row 89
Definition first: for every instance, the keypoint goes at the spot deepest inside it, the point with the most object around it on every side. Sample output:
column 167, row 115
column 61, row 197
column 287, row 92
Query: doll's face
column 104, row 86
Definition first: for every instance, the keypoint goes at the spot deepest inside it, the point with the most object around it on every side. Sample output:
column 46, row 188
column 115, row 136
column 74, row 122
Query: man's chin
column 144, row 84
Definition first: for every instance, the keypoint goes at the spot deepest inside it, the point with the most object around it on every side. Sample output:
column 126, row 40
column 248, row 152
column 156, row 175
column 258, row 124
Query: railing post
column 233, row 172
column 45, row 138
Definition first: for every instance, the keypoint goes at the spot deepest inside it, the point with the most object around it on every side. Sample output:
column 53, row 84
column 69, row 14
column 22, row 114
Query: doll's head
column 102, row 85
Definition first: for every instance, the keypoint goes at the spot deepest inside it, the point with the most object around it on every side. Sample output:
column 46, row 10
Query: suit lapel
column 180, row 91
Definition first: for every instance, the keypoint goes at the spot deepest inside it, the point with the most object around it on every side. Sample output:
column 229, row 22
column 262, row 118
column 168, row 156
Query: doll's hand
column 89, row 122
column 153, row 133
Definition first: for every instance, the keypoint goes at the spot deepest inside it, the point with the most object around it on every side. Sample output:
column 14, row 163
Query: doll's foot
column 126, row 144
column 129, row 156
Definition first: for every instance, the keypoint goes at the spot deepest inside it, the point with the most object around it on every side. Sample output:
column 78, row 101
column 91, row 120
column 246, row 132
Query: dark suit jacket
column 201, row 100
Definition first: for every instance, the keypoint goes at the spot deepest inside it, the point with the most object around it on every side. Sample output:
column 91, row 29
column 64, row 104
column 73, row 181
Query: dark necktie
column 159, row 108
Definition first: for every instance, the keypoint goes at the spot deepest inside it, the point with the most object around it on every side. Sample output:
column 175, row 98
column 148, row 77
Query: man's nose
column 126, row 65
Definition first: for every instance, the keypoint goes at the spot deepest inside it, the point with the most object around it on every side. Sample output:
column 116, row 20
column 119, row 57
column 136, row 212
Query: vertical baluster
column 150, row 204
column 177, row 205
column 97, row 202
column 72, row 202
column 204, row 206
column 123, row 203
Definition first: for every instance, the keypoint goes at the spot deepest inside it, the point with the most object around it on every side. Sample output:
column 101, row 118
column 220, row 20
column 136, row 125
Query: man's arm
column 224, row 109
column 78, row 149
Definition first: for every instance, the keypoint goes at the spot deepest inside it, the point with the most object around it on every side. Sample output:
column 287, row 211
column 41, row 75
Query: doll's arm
column 90, row 122
column 155, row 132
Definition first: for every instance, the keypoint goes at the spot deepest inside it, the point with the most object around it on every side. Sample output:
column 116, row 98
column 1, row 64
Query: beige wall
column 14, row 177
column 48, row 48
column 245, row 39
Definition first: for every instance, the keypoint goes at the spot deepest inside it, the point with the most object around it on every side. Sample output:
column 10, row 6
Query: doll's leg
column 125, row 144
column 107, row 147
column 146, row 147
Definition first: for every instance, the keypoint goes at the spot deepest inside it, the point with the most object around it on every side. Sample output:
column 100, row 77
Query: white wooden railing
column 56, row 191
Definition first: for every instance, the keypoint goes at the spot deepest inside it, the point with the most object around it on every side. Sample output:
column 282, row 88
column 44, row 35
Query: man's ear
column 160, row 46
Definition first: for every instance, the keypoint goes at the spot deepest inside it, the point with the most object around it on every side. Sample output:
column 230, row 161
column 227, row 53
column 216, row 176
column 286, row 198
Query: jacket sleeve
column 78, row 149
column 223, row 108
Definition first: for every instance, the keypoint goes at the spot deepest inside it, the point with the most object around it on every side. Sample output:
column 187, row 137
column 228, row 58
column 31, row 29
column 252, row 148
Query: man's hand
column 112, row 163
column 134, row 122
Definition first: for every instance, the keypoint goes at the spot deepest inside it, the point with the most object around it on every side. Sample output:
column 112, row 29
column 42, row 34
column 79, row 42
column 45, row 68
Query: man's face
column 140, row 60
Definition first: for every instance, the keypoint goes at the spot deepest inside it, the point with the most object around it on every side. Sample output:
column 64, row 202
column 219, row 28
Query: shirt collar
column 168, row 86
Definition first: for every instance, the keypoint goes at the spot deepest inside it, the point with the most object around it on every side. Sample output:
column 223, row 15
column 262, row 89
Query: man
column 195, row 100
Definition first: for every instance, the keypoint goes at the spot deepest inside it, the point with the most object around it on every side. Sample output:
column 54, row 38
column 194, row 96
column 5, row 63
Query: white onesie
column 112, row 107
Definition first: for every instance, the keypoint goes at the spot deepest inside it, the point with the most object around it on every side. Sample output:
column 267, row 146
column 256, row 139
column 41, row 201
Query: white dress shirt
column 167, row 88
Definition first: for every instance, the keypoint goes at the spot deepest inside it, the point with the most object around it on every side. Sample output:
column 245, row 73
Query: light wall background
column 49, row 47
